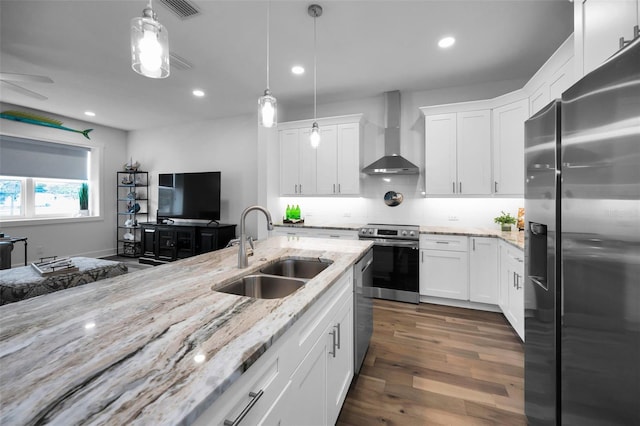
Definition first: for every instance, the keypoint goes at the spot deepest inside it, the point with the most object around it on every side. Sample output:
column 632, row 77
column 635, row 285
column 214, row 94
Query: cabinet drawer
column 444, row 242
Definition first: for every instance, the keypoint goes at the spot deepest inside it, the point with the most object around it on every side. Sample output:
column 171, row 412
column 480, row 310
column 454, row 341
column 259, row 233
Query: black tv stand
column 164, row 243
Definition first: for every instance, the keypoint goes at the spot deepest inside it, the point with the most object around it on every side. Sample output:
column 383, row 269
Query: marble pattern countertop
column 516, row 238
column 129, row 349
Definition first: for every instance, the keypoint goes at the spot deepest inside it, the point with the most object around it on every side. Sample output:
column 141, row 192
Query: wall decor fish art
column 40, row 120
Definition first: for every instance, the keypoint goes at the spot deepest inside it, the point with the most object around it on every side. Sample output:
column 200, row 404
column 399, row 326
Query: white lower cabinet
column 511, row 296
column 483, row 270
column 444, row 266
column 304, row 377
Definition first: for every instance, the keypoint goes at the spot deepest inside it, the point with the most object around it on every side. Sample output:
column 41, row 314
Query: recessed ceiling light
column 446, row 42
column 297, row 70
column 199, row 93
column 90, row 113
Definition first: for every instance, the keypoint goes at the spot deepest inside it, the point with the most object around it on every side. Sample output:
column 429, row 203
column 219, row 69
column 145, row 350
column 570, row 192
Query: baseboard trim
column 460, row 303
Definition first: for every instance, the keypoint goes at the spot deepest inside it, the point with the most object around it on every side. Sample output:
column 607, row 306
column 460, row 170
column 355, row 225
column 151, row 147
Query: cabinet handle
column 453, row 187
column 339, row 190
column 334, row 188
column 442, row 242
column 422, row 254
column 514, row 279
column 333, row 346
column 339, row 338
column 300, row 188
column 474, row 244
column 254, row 398
column 460, row 187
column 495, row 186
column 295, row 188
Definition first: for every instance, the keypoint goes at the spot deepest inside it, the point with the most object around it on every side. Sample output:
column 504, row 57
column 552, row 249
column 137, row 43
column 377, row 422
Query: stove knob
column 371, row 231
column 404, row 233
column 363, row 231
column 411, row 234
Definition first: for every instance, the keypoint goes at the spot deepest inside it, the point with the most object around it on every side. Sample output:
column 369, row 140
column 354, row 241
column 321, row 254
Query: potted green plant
column 83, row 197
column 505, row 221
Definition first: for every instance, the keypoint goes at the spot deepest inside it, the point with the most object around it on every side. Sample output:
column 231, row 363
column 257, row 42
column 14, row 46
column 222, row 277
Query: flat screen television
column 189, row 196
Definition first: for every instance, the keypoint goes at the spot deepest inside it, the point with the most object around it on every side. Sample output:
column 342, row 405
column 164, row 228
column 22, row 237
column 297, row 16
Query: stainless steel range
column 395, row 261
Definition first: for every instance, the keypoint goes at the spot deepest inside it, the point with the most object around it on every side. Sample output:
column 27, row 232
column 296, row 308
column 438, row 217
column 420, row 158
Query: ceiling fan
column 7, row 79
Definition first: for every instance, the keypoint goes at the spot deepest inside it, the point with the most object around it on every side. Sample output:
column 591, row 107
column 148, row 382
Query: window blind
column 40, row 159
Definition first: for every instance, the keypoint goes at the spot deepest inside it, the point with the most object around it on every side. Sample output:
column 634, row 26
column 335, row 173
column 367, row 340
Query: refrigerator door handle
column 541, row 281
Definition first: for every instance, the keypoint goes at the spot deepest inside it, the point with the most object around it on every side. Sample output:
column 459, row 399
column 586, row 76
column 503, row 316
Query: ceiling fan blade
column 22, row 90
column 25, row 78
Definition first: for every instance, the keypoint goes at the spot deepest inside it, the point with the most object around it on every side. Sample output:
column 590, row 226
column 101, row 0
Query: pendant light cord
column 315, row 49
column 268, row 32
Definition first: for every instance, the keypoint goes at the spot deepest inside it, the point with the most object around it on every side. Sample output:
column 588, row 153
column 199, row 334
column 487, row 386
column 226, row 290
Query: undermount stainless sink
column 296, row 268
column 262, row 286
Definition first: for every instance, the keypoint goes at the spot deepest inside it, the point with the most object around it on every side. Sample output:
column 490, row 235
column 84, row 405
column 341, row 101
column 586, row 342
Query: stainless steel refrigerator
column 582, row 251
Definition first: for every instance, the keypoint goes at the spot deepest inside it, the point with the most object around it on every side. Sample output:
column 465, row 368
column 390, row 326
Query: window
column 41, row 179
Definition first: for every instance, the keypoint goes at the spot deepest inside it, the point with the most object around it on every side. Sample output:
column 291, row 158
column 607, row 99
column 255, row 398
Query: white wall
column 91, row 237
column 227, row 145
column 415, row 209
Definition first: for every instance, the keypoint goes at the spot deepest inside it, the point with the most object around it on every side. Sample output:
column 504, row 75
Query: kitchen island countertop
column 153, row 347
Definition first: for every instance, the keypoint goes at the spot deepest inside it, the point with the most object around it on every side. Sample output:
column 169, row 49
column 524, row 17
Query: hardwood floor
column 438, row 365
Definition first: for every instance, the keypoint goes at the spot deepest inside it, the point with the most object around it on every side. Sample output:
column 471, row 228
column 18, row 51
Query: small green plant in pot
column 83, row 197
column 505, row 221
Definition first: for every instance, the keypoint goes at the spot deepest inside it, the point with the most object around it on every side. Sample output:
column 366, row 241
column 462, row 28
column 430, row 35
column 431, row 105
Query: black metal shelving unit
column 132, row 209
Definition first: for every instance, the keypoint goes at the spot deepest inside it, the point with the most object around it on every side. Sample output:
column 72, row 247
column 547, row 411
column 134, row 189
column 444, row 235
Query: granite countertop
column 516, row 238
column 130, row 349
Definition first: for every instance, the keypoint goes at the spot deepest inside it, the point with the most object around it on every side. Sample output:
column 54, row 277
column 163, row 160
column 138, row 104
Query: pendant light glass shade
column 267, row 104
column 268, row 110
column 149, row 45
column 314, row 137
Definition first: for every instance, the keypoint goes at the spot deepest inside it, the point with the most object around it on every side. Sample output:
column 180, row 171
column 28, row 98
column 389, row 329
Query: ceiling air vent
column 179, row 62
column 182, row 8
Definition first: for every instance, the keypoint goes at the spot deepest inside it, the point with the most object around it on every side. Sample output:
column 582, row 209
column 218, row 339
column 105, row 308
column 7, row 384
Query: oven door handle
column 409, row 244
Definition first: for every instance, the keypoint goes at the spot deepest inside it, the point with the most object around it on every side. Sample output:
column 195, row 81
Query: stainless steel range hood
column 392, row 162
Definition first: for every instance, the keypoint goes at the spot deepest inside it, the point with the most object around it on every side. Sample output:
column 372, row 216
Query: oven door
column 395, row 271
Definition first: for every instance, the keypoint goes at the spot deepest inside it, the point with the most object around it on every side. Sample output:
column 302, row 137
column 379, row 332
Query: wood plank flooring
column 438, row 365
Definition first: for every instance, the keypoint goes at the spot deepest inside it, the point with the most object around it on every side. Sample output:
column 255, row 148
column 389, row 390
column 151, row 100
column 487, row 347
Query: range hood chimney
column 392, row 162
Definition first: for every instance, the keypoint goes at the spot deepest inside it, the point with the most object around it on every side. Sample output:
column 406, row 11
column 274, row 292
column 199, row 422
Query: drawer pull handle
column 339, row 338
column 254, row 398
column 442, row 242
column 333, row 346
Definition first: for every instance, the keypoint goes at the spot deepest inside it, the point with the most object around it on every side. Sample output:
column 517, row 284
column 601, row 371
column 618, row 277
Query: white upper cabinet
column 458, row 153
column 599, row 25
column 297, row 163
column 474, row 152
column 508, row 147
column 440, row 154
column 333, row 168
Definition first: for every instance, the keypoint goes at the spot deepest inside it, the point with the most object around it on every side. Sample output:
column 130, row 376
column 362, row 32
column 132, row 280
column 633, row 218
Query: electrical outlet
column 453, row 218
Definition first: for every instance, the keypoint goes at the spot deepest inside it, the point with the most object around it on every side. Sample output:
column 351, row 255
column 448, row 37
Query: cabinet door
column 515, row 310
column 483, row 270
column 327, row 163
column 348, row 159
column 446, row 274
column 440, row 154
column 508, row 147
column 149, row 242
column 289, row 162
column 506, row 278
column 604, row 22
column 307, row 164
column 307, row 393
column 340, row 359
column 474, row 152
column 539, row 99
column 562, row 79
column 166, row 244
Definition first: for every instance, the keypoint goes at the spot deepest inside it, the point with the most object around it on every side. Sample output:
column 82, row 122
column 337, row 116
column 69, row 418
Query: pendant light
column 149, row 45
column 267, row 104
column 315, row 11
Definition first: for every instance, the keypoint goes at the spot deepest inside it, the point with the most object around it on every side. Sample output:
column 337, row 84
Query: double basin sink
column 276, row 280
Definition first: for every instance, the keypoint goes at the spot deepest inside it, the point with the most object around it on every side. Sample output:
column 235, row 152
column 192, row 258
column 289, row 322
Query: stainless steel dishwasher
column 362, row 309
